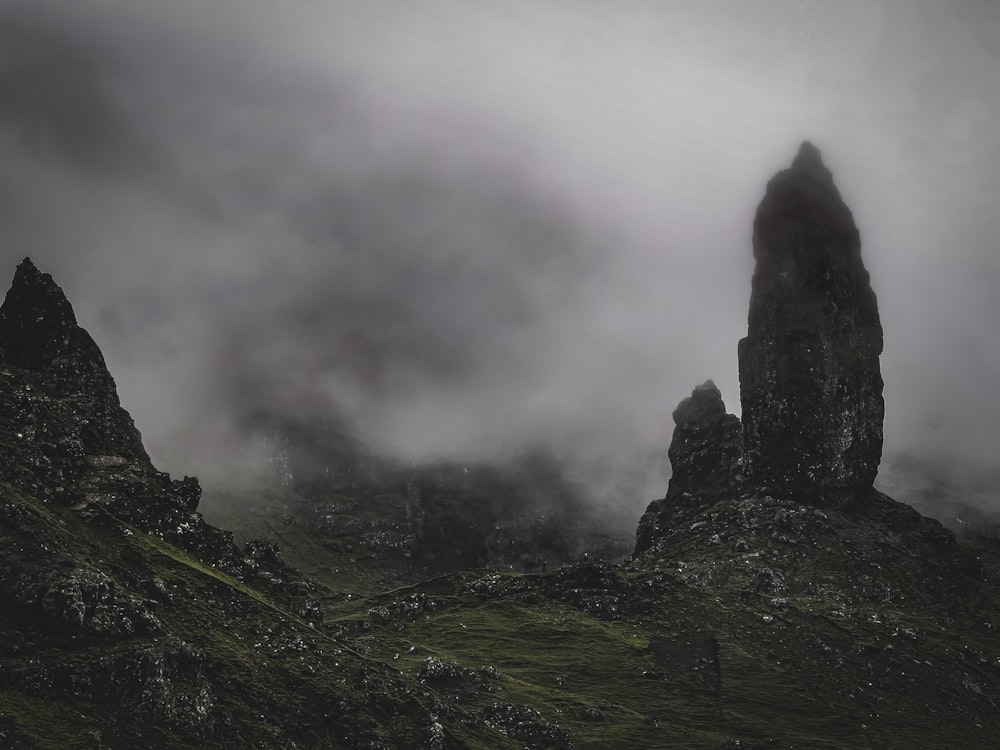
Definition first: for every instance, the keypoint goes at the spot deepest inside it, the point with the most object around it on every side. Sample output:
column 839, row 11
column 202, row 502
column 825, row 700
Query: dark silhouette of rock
column 705, row 453
column 810, row 384
column 812, row 430
column 65, row 439
column 39, row 332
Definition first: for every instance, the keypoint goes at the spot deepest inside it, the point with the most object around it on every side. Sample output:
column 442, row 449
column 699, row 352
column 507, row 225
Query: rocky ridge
column 126, row 620
column 67, row 439
column 406, row 522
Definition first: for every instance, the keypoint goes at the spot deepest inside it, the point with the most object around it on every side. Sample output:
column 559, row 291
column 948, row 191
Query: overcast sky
column 473, row 227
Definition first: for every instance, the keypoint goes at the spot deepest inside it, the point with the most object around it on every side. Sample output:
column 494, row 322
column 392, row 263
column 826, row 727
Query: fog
column 469, row 230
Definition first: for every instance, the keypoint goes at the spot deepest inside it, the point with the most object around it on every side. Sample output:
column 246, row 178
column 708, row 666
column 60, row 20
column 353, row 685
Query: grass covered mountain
column 793, row 609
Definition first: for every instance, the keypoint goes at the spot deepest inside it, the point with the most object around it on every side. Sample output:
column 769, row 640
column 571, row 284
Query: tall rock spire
column 810, row 384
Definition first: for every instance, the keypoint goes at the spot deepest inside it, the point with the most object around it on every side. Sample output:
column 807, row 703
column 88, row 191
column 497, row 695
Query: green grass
column 685, row 666
column 798, row 674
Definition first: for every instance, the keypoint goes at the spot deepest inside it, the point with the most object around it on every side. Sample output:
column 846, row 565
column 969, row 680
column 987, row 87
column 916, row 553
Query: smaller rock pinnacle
column 705, row 453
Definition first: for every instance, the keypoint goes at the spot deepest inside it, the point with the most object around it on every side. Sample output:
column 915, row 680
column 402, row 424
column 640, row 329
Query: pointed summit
column 39, row 333
column 809, row 161
column 37, row 323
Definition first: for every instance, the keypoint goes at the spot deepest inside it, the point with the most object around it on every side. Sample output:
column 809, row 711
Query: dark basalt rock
column 65, row 438
column 705, row 453
column 812, row 430
column 810, row 384
column 66, row 420
column 39, row 332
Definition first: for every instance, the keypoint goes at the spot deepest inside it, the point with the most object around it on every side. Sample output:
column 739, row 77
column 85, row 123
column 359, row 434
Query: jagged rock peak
column 39, row 333
column 810, row 384
column 705, row 452
column 37, row 323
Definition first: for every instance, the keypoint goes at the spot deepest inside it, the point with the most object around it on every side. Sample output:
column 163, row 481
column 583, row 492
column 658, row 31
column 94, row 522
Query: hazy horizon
column 471, row 229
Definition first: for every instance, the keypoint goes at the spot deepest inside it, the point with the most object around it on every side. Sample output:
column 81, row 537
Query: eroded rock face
column 810, row 384
column 705, row 453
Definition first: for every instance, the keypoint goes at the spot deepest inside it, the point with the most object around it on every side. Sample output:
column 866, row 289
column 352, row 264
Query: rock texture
column 65, row 415
column 705, row 453
column 810, row 384
column 112, row 637
column 39, row 332
column 65, row 439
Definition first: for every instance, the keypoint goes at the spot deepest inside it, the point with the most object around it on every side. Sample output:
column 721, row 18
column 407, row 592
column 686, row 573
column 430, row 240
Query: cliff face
column 810, row 384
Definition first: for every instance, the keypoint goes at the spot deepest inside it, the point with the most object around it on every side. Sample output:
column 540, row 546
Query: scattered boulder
column 452, row 679
column 526, row 725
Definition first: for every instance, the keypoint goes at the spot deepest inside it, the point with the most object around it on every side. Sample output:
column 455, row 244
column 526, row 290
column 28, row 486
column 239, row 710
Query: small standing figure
column 545, row 565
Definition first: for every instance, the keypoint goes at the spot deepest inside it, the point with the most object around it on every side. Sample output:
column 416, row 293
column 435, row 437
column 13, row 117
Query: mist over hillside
column 469, row 236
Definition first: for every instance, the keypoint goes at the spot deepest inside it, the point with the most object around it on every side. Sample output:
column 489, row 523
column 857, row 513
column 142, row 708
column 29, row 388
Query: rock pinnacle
column 810, row 384
column 705, row 454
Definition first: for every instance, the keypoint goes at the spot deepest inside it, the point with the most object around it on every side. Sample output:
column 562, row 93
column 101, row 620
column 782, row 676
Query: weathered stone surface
column 810, row 384
column 705, row 452
column 65, row 438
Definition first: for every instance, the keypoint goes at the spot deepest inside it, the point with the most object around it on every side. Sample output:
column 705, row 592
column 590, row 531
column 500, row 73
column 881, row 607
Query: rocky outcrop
column 65, row 439
column 810, row 384
column 39, row 332
column 705, row 453
column 69, row 438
